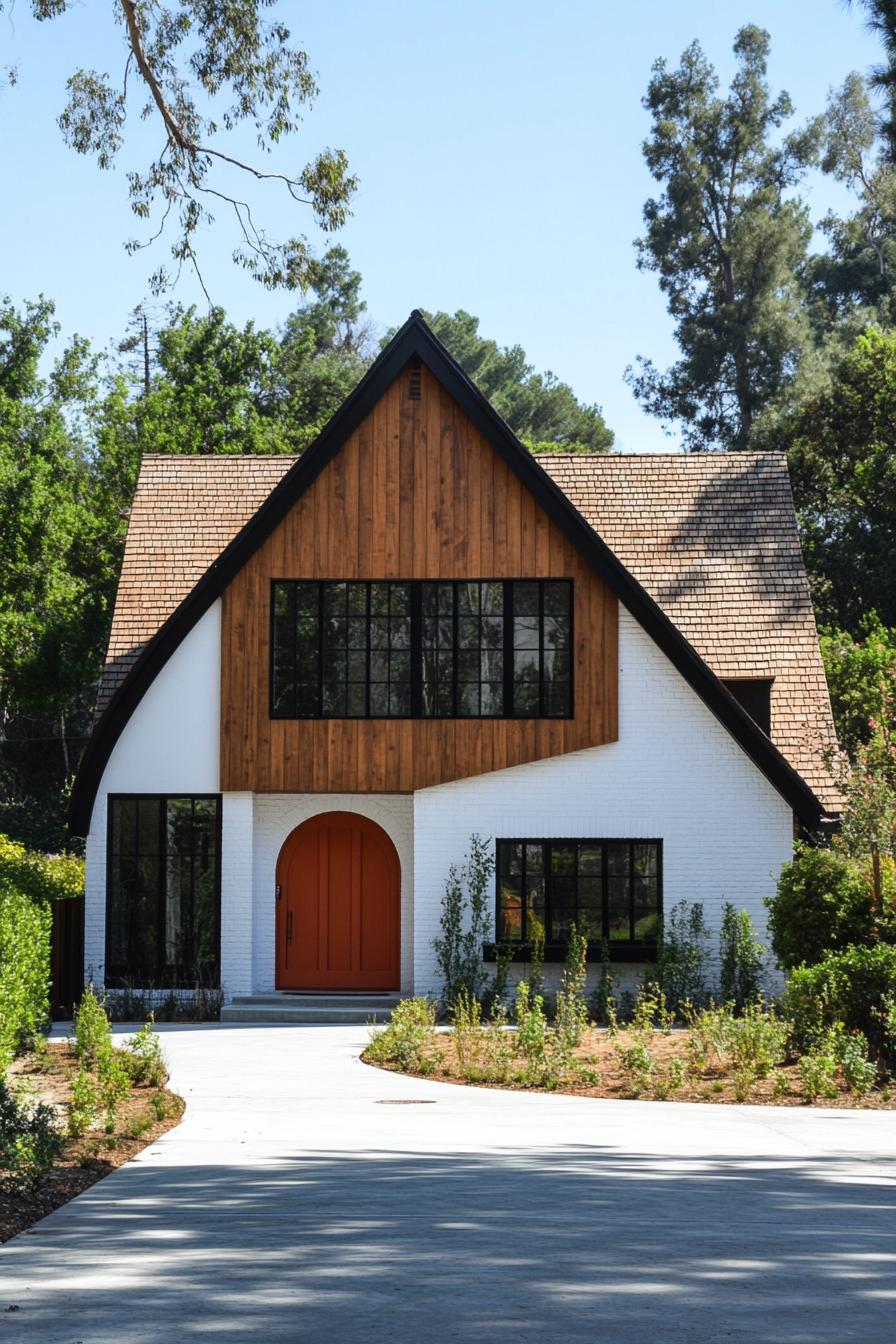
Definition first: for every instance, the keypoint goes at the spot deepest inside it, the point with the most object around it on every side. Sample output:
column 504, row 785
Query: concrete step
column 307, row 1008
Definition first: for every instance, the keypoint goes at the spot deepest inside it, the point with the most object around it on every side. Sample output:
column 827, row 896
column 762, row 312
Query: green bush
column 465, row 922
column 113, row 1081
column 93, row 1035
column 404, row 1039
column 42, row 877
column 824, row 904
column 741, row 959
column 145, row 1057
column 83, row 1104
column 24, row 970
column 818, row 1071
column 681, row 956
column 572, row 1010
column 855, row 987
column 29, row 1141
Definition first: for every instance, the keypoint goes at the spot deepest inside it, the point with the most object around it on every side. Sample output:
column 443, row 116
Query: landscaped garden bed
column 723, row 1059
column 73, row 1111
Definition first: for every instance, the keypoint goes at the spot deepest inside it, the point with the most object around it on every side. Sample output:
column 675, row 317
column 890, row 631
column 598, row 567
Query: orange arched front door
column 338, row 900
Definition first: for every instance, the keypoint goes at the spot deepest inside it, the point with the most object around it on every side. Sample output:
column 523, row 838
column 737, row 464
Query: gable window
column 754, row 694
column 421, row 649
column 163, row 890
column 610, row 889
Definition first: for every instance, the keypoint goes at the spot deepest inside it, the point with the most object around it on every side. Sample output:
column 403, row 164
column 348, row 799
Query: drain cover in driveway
column 406, row 1101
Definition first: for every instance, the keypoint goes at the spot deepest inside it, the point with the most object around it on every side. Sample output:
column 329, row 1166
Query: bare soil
column 597, row 1056
column 89, row 1158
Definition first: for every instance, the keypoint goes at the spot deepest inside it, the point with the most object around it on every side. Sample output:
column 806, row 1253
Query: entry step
column 306, row 1007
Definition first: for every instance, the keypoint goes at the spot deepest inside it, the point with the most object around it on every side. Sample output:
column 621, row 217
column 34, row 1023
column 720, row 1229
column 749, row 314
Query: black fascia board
column 415, row 339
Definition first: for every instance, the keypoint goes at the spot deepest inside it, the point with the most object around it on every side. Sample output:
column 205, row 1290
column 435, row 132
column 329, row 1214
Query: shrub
column 29, row 1141
column 856, row 987
column 680, row 969
column 466, row 1017
column 114, row 1082
column 824, row 903
column 741, row 958
column 403, row 1041
column 93, row 1035
column 24, row 970
column 146, row 1060
column 850, row 1048
column 668, row 1079
column 465, row 922
column 84, row 1103
column 818, row 1071
column 40, row 877
column 603, row 999
column 572, row 1010
column 651, row 1010
column 637, row 1064
column 757, row 1040
column 532, row 1025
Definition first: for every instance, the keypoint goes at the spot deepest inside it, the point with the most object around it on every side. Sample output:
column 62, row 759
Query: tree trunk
column 876, row 885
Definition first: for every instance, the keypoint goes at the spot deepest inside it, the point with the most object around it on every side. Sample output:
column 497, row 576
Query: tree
column 726, row 241
column 540, row 410
column 861, row 676
column 843, row 467
column 853, row 282
column 882, row 22
column 194, row 68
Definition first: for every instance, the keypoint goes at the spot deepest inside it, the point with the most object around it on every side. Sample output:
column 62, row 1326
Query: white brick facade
column 674, row 774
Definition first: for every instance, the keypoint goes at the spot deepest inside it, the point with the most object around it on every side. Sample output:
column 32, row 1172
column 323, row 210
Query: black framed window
column 610, row 889
column 163, row 890
column 423, row 649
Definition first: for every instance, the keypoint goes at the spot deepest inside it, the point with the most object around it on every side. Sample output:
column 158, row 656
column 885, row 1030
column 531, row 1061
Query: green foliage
column 825, row 903
column 540, row 410
column 532, row 1025
column 145, row 1056
column 726, row 238
column 29, row 1141
column 651, row 1011
column 681, row 955
column 843, row 469
column 818, row 1071
column 850, row 1049
column 603, row 999
column 93, row 1035
column 40, row 877
column 740, row 958
column 24, row 970
column 465, row 922
column 407, row 1037
column 203, row 68
column 856, row 988
column 861, row 675
column 113, row 1075
column 571, row 1017
column 466, row 1018
column 84, row 1103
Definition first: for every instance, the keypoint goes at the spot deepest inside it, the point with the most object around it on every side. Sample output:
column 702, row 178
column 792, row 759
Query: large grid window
column 422, row 649
column 163, row 891
column 610, row 889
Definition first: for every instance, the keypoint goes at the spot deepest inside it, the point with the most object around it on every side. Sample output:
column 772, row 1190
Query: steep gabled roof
column 413, row 340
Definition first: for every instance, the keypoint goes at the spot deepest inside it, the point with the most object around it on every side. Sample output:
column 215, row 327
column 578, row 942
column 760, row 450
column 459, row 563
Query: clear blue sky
column 498, row 147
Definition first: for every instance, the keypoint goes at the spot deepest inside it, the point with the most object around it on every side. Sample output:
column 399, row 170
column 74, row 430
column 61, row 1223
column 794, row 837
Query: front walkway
column 292, row 1204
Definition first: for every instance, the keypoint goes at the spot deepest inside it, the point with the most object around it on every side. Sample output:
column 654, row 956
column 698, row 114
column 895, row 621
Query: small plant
column 572, row 1010
column 145, row 1057
column 406, row 1039
column 780, row 1085
column 741, row 958
column 532, row 1037
column 603, row 1000
column 668, row 1079
column 158, row 1105
column 850, row 1049
column 84, row 1103
column 758, row 1039
column 93, row 1036
column 637, row 1065
column 29, row 1141
column 498, row 996
column 465, row 922
column 651, row 1010
column 114, row 1082
column 535, row 974
column 818, row 1071
column 466, row 1017
column 681, row 957
column 744, row 1078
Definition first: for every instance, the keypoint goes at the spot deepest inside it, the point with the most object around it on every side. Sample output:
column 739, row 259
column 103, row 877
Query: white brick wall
column 237, row 907
column 674, row 774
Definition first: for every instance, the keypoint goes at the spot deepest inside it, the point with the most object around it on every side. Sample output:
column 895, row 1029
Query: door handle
column 289, row 926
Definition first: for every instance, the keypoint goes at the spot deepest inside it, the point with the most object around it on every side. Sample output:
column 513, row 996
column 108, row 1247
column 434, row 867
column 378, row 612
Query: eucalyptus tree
column 727, row 238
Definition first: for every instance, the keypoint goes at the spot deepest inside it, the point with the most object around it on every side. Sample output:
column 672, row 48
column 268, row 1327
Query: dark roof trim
column 416, row 339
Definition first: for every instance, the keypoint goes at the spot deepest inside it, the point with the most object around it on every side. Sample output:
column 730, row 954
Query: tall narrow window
column 423, row 649
column 163, row 889
column 610, row 889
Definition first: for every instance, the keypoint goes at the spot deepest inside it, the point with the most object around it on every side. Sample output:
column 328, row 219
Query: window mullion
column 416, row 650
column 631, row 892
column 162, row 886
column 507, row 605
column 604, row 893
column 541, row 708
column 455, row 652
column 320, row 649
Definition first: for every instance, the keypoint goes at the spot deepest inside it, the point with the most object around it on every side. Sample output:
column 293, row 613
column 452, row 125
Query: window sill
column 554, row 952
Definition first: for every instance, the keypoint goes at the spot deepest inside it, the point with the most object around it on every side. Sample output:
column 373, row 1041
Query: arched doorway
column 338, row 903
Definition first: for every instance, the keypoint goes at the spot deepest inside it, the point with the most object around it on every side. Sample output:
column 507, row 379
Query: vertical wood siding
column 415, row 493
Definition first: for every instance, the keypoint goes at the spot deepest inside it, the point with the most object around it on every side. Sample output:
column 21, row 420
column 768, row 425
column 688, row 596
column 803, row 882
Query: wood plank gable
column 415, row 492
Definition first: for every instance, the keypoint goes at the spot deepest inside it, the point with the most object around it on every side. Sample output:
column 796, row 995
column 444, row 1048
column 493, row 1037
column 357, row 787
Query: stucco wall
column 674, row 774
column 169, row 745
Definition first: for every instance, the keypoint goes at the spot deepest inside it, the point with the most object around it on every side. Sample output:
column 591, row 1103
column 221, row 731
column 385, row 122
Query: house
column 326, row 674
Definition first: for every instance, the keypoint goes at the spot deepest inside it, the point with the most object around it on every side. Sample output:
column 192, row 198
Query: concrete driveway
column 306, row 1197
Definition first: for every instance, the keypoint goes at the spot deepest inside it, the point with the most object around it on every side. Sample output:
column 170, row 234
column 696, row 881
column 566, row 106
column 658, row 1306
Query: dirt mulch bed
column 713, row 1085
column 84, row 1160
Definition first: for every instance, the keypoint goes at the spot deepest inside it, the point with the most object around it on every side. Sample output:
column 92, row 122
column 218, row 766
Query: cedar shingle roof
column 712, row 537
